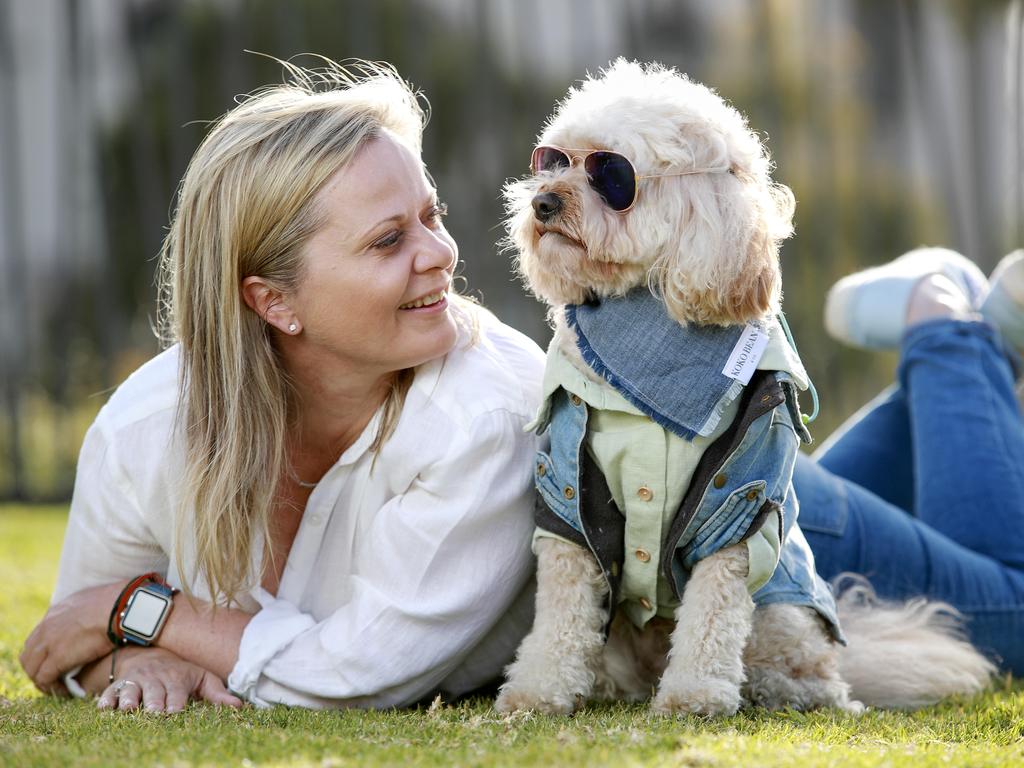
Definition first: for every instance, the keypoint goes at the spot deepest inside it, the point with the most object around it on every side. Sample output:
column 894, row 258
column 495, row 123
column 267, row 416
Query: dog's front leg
column 705, row 668
column 555, row 665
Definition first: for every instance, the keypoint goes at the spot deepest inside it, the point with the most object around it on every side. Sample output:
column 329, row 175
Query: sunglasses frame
column 582, row 154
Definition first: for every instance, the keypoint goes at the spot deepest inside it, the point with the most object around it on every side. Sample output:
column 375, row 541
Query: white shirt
column 410, row 571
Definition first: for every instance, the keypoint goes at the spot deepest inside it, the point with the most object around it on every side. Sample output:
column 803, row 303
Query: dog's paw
column 511, row 700
column 698, row 696
column 852, row 707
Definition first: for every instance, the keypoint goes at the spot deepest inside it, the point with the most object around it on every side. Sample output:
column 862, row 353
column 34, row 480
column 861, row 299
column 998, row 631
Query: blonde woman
column 331, row 453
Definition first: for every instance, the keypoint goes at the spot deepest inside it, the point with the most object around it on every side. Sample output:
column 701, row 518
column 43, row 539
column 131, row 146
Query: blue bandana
column 671, row 372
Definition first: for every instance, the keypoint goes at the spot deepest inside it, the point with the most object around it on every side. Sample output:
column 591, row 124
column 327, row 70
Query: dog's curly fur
column 707, row 244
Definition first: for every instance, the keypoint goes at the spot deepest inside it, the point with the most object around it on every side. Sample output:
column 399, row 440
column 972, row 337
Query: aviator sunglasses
column 611, row 175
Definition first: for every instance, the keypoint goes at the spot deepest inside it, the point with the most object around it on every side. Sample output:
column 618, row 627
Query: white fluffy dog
column 700, row 232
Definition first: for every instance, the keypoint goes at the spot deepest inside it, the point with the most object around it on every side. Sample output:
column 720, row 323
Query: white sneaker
column 1004, row 305
column 868, row 309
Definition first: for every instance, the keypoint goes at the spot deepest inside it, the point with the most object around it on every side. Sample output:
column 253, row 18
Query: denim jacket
column 674, row 374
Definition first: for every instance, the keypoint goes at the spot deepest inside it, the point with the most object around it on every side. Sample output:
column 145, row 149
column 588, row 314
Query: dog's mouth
column 560, row 236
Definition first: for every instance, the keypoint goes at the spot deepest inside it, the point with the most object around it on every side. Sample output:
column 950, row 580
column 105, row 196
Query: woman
column 332, row 453
column 923, row 491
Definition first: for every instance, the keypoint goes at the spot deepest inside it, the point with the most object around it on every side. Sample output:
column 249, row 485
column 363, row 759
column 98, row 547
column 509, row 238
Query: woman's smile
column 432, row 302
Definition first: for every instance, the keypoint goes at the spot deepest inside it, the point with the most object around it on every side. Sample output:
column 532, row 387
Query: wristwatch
column 141, row 610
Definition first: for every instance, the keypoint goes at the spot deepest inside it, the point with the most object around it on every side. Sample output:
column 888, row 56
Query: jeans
column 922, row 491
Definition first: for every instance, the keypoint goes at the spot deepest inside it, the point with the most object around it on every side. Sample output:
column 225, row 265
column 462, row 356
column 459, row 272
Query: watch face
column 142, row 617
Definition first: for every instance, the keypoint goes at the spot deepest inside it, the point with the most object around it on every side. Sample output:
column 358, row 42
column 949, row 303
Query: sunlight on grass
column 30, row 542
column 36, row 731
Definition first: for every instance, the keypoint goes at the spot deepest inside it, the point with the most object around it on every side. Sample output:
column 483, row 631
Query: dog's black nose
column 546, row 205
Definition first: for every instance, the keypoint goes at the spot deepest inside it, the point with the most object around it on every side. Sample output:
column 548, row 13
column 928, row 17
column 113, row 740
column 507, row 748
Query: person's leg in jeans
column 874, row 450
column 852, row 530
column 966, row 543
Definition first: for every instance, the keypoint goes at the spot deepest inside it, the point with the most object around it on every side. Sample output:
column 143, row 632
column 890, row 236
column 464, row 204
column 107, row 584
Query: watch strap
column 153, row 579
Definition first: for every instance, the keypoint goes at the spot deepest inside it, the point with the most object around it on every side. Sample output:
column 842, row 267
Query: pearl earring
column 293, row 328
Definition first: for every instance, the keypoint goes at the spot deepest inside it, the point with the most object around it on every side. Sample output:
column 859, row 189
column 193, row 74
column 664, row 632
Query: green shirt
column 648, row 470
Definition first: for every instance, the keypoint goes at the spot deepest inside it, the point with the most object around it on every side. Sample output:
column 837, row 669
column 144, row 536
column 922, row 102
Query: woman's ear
column 269, row 303
column 722, row 266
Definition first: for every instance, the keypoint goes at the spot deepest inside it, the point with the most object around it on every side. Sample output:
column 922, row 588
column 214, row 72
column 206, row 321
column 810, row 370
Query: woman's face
column 382, row 250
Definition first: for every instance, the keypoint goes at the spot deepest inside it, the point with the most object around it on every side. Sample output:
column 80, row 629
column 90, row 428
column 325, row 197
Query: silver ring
column 120, row 685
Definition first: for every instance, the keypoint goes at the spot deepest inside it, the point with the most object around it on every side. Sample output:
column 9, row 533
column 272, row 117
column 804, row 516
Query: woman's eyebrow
column 370, row 230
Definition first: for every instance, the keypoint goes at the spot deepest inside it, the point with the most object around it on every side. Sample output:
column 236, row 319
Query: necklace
column 304, row 484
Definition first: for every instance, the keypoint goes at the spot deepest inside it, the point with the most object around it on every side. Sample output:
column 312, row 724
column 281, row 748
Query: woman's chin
column 430, row 341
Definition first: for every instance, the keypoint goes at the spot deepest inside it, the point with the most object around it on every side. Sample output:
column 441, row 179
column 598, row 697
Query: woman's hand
column 159, row 681
column 72, row 633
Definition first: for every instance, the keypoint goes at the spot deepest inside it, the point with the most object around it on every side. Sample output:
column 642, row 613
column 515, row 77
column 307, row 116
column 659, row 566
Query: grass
column 985, row 731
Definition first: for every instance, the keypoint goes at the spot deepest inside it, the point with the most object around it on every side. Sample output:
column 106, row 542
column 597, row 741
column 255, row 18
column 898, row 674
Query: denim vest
column 673, row 373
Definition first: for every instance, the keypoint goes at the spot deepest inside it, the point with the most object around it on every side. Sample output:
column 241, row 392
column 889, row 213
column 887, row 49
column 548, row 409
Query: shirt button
column 720, row 480
column 541, row 471
column 569, row 493
column 615, row 569
column 575, row 399
column 645, row 603
column 645, row 493
column 751, row 495
column 316, row 519
column 643, row 555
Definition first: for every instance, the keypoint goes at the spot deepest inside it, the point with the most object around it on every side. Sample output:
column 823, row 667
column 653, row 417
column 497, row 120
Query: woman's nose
column 437, row 251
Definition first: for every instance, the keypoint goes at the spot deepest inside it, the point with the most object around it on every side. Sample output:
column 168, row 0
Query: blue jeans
column 922, row 491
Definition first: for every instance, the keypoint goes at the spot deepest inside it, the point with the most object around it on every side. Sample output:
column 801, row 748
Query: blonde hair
column 246, row 207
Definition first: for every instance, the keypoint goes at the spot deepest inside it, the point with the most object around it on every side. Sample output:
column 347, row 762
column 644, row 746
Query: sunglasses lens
column 548, row 159
column 613, row 178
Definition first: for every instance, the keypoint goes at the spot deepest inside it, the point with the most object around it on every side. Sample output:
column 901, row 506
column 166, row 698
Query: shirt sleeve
column 438, row 568
column 107, row 538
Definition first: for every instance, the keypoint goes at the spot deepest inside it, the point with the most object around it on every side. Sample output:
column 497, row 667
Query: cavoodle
column 669, row 558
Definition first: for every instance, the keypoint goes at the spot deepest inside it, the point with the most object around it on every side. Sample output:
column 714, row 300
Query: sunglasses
column 611, row 175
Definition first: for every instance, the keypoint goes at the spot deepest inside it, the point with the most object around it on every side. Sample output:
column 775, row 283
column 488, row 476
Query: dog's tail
column 905, row 655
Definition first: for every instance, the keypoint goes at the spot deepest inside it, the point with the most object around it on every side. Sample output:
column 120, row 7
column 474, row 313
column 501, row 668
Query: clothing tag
column 746, row 354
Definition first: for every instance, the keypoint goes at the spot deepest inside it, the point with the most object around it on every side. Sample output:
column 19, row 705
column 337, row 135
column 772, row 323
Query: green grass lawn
column 986, row 731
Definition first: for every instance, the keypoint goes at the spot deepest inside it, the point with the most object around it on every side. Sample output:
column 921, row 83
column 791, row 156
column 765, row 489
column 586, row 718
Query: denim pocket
column 729, row 523
column 554, row 492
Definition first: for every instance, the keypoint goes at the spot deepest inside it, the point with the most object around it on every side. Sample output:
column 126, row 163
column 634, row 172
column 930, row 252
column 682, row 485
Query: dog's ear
column 722, row 267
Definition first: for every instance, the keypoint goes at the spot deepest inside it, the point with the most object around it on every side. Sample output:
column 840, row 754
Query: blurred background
column 896, row 123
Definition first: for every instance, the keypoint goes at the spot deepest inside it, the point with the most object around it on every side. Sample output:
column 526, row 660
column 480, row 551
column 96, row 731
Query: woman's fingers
column 212, row 689
column 154, row 695
column 161, row 682
column 32, row 655
column 108, row 699
column 129, row 694
column 177, row 697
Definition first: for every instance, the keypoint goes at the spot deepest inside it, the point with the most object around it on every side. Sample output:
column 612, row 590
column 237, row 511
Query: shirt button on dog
column 645, row 493
column 541, row 471
column 569, row 493
column 645, row 603
column 751, row 494
column 643, row 555
column 575, row 399
column 721, row 480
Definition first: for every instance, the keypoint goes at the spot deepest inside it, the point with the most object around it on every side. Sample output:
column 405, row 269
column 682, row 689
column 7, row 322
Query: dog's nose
column 546, row 205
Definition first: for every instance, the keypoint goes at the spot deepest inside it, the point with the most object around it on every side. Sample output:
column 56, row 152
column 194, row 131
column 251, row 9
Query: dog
column 650, row 227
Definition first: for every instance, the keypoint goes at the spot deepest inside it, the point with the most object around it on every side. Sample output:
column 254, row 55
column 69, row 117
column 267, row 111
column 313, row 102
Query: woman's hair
column 246, row 207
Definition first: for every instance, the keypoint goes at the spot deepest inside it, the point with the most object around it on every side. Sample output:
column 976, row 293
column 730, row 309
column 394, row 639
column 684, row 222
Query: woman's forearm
column 194, row 631
column 208, row 637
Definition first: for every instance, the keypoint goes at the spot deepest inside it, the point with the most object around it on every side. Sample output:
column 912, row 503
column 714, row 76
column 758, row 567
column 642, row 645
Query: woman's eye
column 437, row 211
column 390, row 239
